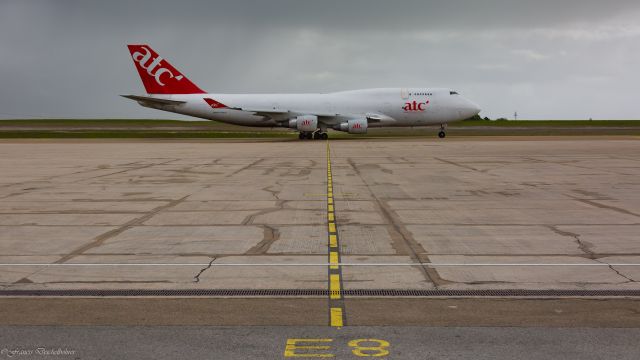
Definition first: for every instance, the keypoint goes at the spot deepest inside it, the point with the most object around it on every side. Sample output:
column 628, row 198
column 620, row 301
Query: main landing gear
column 317, row 135
column 441, row 133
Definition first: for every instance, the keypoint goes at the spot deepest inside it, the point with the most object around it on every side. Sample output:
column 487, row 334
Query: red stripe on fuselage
column 215, row 104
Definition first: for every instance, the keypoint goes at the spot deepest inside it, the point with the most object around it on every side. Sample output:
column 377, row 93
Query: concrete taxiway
column 188, row 207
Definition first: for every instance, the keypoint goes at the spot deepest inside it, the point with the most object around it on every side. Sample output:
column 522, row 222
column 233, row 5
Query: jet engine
column 354, row 126
column 307, row 123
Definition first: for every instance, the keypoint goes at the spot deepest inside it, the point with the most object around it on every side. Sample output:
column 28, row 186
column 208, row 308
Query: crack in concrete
column 125, row 170
column 586, row 247
column 246, row 167
column 271, row 234
column 460, row 165
column 108, row 282
column 251, row 218
column 583, row 246
column 100, row 239
column 605, row 206
column 273, row 193
column 591, row 194
column 51, row 178
column 410, row 244
column 628, row 278
column 196, row 279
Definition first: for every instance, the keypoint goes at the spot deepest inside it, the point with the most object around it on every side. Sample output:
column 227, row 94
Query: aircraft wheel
column 324, row 136
column 441, row 134
column 309, row 135
column 316, row 135
column 301, row 136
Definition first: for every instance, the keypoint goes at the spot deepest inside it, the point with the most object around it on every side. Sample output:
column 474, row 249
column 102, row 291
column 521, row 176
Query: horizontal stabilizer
column 152, row 100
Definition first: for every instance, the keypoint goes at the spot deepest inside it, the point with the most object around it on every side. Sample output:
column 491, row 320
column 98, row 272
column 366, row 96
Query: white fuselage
column 389, row 107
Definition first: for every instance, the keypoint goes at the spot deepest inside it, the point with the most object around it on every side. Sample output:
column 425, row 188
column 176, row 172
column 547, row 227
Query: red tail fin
column 158, row 76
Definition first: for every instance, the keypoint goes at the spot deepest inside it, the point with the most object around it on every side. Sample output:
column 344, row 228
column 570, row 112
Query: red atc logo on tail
column 357, row 125
column 158, row 76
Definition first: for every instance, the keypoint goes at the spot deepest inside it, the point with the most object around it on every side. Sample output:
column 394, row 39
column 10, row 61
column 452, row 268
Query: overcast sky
column 545, row 59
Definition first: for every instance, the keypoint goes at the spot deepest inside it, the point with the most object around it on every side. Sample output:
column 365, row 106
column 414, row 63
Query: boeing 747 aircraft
column 310, row 114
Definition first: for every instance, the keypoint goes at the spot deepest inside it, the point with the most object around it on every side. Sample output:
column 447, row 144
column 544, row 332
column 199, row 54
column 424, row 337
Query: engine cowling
column 304, row 123
column 354, row 126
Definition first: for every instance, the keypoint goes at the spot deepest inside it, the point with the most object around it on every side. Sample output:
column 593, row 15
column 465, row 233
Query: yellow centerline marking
column 333, row 241
column 336, row 301
column 336, row 317
column 336, row 194
column 334, row 286
column 333, row 260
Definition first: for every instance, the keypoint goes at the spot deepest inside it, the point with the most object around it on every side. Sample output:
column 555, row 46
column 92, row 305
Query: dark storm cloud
column 545, row 59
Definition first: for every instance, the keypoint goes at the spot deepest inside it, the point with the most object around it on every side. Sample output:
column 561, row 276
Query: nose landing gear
column 441, row 133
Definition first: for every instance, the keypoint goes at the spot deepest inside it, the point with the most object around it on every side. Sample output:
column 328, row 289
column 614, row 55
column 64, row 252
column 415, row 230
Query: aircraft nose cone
column 473, row 108
column 469, row 109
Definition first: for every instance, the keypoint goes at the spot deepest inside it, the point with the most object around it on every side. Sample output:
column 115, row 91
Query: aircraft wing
column 277, row 112
column 376, row 118
column 281, row 115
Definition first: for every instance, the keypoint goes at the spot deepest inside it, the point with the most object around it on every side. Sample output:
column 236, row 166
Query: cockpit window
column 453, row 93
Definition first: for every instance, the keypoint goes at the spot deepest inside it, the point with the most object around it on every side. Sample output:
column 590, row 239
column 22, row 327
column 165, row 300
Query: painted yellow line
column 333, row 260
column 336, row 317
column 336, row 308
column 333, row 241
column 334, row 286
column 338, row 194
